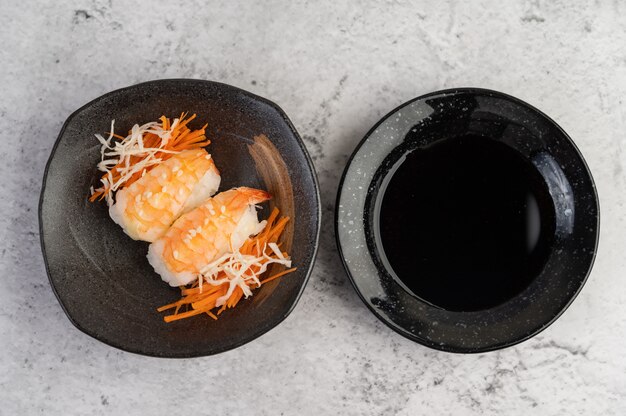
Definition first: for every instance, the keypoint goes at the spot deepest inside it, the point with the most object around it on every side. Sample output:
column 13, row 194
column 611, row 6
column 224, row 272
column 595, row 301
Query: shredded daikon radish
column 119, row 153
column 241, row 270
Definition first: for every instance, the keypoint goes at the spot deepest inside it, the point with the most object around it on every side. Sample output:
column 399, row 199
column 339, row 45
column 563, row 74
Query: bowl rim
column 263, row 329
column 402, row 331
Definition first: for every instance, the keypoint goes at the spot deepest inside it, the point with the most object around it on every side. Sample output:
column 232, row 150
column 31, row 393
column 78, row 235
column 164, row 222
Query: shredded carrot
column 281, row 274
column 181, row 138
column 183, row 315
column 203, row 300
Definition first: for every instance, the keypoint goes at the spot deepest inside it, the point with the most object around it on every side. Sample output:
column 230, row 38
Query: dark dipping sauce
column 465, row 223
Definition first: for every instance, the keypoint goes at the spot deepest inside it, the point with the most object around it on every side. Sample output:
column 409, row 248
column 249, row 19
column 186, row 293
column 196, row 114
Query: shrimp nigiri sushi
column 146, row 208
column 220, row 225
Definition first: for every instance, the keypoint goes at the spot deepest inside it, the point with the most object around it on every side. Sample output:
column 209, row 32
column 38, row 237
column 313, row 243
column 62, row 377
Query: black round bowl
column 442, row 117
column 102, row 278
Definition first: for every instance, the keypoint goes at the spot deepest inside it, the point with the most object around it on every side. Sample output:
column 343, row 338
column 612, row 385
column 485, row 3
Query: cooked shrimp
column 146, row 208
column 219, row 226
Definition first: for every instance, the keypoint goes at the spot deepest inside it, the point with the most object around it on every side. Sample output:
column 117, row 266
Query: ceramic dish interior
column 569, row 203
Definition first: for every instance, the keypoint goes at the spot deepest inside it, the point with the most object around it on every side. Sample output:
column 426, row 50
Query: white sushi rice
column 116, row 212
column 155, row 258
column 248, row 225
column 206, row 187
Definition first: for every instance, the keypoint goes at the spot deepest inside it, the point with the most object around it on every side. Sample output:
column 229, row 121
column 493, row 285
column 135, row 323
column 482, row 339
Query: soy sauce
column 465, row 223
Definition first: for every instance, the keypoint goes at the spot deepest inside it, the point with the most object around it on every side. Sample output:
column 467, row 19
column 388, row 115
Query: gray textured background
column 335, row 69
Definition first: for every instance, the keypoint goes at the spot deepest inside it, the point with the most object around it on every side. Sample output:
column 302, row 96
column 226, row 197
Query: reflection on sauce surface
column 465, row 223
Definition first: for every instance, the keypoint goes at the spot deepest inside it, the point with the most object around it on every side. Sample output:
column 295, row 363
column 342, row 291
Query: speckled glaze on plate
column 102, row 278
column 452, row 113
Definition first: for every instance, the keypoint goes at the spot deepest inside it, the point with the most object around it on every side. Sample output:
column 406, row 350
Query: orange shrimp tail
column 254, row 196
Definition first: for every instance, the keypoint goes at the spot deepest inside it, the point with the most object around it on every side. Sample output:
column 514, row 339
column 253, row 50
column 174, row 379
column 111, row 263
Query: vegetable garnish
column 127, row 159
column 224, row 282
